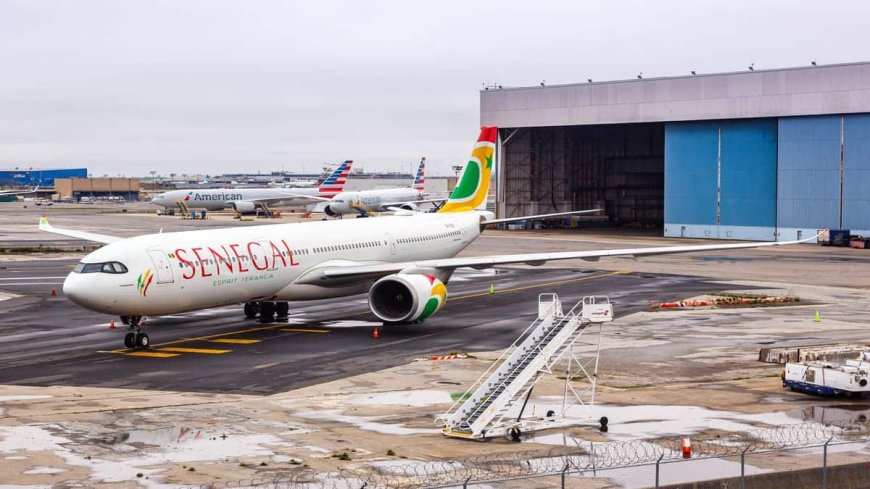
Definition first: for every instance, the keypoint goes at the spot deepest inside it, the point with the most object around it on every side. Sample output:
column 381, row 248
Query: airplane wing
column 380, row 269
column 99, row 238
column 19, row 192
column 286, row 196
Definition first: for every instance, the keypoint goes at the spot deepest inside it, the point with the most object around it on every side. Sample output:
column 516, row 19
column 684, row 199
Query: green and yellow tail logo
column 471, row 191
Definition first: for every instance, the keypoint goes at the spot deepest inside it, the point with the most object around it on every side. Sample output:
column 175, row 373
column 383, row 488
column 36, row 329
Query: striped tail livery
column 334, row 183
column 420, row 179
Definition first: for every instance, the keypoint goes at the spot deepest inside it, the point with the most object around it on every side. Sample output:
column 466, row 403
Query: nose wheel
column 135, row 338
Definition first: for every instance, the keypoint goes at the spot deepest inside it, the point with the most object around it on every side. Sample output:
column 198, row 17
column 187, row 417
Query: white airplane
column 364, row 202
column 19, row 192
column 246, row 200
column 403, row 261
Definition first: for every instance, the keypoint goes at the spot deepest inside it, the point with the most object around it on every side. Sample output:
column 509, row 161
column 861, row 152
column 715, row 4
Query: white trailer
column 829, row 379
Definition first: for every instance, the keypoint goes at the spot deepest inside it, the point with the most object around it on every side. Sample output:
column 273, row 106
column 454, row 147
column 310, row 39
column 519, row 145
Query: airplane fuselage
column 371, row 200
column 176, row 272
column 215, row 199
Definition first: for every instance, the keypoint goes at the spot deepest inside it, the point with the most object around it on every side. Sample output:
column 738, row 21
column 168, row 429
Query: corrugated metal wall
column 691, row 154
column 856, row 173
column 720, row 179
column 808, row 175
column 748, row 175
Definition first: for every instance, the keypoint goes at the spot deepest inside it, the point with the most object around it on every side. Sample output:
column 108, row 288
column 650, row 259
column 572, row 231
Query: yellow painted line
column 207, row 351
column 151, row 354
column 235, row 341
column 278, row 327
column 208, row 337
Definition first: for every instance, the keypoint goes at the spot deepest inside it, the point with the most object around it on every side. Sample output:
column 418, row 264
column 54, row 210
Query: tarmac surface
column 46, row 340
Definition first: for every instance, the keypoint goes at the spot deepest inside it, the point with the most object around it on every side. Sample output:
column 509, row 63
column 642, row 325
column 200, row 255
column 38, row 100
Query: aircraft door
column 391, row 243
column 162, row 267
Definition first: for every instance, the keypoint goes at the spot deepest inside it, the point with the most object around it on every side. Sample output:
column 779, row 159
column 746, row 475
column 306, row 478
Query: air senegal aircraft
column 402, row 261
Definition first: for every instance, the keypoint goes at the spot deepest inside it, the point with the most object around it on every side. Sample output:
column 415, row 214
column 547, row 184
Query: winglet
column 72, row 233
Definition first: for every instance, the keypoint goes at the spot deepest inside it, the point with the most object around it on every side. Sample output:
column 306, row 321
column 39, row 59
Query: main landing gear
column 135, row 338
column 267, row 310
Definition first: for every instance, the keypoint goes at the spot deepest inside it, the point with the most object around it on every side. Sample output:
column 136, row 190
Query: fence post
column 564, row 471
column 658, row 463
column 825, row 464
column 743, row 468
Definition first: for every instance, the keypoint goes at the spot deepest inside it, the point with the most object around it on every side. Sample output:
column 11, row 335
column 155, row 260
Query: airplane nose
column 79, row 289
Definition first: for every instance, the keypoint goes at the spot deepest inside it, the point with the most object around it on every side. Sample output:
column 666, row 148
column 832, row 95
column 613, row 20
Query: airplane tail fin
column 334, row 183
column 420, row 179
column 473, row 186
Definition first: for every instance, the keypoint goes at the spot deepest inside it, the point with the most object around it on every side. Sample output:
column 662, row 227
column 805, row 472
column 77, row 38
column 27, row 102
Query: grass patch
column 460, row 396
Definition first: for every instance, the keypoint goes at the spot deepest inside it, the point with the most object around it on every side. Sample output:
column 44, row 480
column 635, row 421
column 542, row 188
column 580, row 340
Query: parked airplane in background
column 403, row 261
column 247, row 200
column 364, row 202
column 19, row 192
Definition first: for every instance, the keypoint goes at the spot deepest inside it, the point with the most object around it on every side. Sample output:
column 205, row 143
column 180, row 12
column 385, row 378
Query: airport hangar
column 757, row 155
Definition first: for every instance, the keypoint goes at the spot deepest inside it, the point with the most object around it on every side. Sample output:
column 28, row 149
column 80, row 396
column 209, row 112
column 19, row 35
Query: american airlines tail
column 334, row 183
column 420, row 179
column 473, row 186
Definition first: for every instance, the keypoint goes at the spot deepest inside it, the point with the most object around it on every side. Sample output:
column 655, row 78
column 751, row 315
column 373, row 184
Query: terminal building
column 97, row 188
column 32, row 177
column 757, row 155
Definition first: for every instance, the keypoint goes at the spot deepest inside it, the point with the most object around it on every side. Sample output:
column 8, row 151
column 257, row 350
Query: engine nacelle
column 405, row 297
column 243, row 206
column 407, row 206
column 329, row 212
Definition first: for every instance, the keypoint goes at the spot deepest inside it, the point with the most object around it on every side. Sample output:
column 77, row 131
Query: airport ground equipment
column 486, row 408
column 850, row 378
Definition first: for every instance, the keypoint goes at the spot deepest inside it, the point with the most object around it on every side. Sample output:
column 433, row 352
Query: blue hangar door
column 720, row 179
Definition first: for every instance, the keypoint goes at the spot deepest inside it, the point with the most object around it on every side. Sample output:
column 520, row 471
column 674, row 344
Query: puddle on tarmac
column 833, row 415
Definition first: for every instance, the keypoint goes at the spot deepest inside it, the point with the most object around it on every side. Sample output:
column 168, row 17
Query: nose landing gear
column 135, row 338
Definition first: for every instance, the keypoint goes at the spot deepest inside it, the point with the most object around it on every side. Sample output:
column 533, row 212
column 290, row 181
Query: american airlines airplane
column 404, row 261
column 364, row 202
column 19, row 192
column 246, row 200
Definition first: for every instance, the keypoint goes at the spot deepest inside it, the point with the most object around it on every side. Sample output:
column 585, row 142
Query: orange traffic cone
column 375, row 333
column 53, row 291
column 687, row 448
column 112, row 324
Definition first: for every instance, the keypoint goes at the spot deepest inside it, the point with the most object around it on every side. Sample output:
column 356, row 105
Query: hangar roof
column 811, row 90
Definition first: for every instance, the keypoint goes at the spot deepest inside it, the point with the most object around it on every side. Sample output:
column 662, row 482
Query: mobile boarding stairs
column 486, row 409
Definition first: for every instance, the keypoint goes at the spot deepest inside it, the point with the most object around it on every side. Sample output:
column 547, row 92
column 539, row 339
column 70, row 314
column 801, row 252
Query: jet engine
column 329, row 212
column 405, row 298
column 407, row 206
column 243, row 206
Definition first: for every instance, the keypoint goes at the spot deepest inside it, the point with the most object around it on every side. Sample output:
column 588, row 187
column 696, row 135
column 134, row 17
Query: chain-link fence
column 802, row 455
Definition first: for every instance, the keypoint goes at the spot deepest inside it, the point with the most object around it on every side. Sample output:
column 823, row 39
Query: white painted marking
column 31, row 278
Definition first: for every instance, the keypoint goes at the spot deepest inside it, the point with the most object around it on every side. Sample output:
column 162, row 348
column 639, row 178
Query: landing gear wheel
column 602, row 424
column 516, row 434
column 125, row 319
column 142, row 341
column 282, row 309
column 251, row 310
column 130, row 340
column 267, row 311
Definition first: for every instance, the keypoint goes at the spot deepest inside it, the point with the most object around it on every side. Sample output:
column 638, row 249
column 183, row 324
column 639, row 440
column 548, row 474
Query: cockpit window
column 107, row 267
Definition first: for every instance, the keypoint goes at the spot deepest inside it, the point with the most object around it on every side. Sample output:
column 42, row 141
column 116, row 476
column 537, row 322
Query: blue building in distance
column 43, row 177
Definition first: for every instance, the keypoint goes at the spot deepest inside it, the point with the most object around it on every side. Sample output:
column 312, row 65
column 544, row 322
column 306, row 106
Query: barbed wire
column 584, row 456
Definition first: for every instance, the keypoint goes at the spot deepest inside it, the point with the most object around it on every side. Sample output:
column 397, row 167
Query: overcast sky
column 126, row 87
